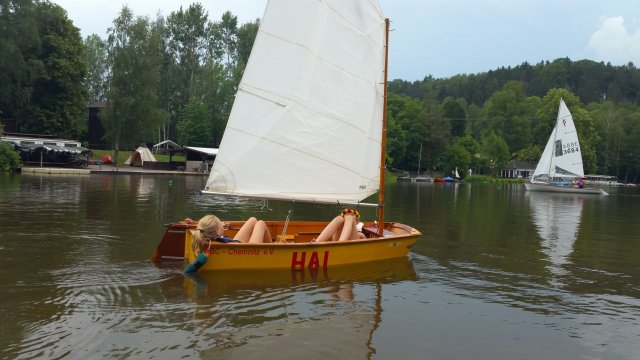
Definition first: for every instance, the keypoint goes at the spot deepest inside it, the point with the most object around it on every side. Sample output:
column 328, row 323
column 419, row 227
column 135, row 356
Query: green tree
column 508, row 116
column 188, row 43
column 19, row 44
column 454, row 112
column 193, row 127
column 436, row 133
column 225, row 34
column 629, row 152
column 246, row 37
column 217, row 91
column 132, row 113
column 476, row 122
column 9, row 158
column 472, row 147
column 494, row 152
column 530, row 154
column 396, row 141
column 455, row 156
column 42, row 71
column 95, row 56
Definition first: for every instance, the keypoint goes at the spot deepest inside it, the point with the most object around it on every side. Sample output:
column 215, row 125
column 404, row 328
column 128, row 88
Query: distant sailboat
column 561, row 159
column 419, row 177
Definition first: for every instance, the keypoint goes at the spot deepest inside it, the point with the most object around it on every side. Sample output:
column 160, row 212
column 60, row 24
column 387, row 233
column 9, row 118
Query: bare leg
column 246, row 230
column 260, row 233
column 349, row 231
column 331, row 229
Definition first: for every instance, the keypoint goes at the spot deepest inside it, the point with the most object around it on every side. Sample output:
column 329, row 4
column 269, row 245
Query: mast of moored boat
column 383, row 145
column 553, row 148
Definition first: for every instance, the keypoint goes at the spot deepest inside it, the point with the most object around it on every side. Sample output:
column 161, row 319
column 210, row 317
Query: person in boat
column 343, row 227
column 210, row 228
column 581, row 183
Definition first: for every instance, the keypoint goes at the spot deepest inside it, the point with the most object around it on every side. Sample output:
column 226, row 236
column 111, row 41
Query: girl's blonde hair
column 209, row 227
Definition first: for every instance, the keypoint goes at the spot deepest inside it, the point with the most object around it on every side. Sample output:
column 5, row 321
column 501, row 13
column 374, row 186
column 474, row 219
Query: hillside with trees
column 481, row 121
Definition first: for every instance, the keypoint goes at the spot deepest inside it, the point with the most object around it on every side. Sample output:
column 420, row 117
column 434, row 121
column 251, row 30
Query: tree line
column 175, row 78
column 162, row 78
column 482, row 121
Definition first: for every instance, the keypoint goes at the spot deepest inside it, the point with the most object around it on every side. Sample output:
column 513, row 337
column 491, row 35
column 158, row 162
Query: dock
column 54, row 171
column 105, row 170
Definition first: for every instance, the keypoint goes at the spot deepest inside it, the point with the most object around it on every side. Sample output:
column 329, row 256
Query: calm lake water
column 499, row 273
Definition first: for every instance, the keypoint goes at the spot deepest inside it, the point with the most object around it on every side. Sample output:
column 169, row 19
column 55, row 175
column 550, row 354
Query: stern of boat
column 171, row 246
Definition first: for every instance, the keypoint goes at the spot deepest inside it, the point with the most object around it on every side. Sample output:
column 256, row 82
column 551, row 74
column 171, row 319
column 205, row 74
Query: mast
column 553, row 148
column 383, row 145
column 419, row 159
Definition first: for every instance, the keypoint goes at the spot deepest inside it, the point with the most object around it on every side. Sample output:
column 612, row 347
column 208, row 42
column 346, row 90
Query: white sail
column 562, row 155
column 306, row 121
column 545, row 163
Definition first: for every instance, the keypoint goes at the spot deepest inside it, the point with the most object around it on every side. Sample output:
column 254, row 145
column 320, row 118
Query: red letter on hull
column 313, row 262
column 295, row 262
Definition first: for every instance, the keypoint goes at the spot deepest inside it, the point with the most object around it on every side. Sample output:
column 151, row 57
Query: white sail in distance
column 562, row 156
column 306, row 124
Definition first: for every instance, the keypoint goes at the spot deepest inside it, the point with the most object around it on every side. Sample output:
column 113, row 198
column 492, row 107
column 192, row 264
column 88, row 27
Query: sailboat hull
column 297, row 251
column 563, row 189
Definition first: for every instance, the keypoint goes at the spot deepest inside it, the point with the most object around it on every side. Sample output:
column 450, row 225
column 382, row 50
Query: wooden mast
column 383, row 145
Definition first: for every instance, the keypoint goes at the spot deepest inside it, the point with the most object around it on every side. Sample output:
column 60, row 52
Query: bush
column 9, row 158
column 491, row 180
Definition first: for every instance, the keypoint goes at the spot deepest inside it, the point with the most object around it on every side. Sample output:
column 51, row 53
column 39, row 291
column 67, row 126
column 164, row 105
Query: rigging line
column 286, row 224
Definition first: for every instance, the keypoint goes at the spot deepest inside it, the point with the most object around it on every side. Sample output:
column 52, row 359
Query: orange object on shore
column 106, row 159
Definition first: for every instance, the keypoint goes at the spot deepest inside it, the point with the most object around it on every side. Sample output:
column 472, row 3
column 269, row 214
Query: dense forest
column 175, row 76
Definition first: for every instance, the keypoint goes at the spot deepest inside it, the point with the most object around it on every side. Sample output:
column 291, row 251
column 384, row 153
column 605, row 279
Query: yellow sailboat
column 307, row 125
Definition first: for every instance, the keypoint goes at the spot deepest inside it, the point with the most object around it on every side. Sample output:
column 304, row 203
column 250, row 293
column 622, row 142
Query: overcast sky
column 443, row 38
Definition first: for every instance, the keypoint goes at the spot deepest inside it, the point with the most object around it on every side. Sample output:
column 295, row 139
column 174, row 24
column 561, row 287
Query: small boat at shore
column 307, row 125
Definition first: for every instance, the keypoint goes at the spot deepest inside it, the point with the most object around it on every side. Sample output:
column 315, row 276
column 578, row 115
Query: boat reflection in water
column 226, row 282
column 557, row 219
column 333, row 312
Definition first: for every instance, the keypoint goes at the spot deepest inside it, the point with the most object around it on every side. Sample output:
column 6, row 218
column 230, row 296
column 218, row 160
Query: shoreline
column 103, row 169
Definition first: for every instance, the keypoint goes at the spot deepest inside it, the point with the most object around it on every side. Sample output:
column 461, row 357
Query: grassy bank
column 489, row 179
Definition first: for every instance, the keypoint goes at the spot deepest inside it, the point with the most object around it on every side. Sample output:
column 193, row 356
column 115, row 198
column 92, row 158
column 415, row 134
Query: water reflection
column 332, row 312
column 557, row 219
column 216, row 284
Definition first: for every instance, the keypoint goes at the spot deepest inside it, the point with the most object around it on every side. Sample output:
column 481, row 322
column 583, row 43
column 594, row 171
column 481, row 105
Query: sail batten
column 306, row 123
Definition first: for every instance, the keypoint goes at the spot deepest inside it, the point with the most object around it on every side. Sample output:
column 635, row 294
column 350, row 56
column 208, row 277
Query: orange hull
column 296, row 252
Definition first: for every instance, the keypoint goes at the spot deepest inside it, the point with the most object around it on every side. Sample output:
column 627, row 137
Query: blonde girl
column 209, row 229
